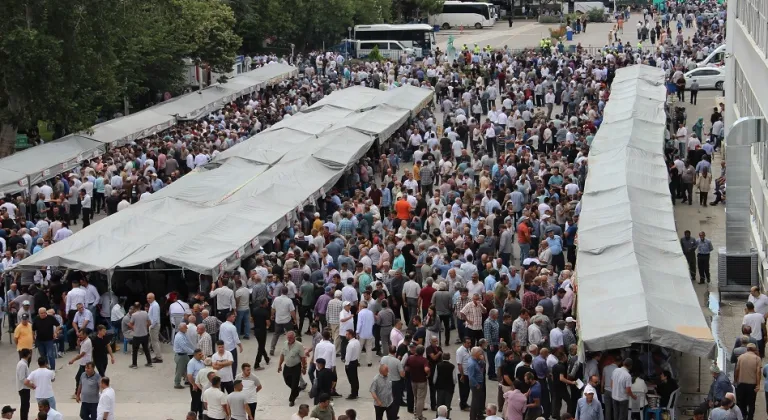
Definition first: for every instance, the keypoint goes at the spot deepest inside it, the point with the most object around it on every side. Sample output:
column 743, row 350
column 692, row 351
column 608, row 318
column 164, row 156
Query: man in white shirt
column 346, row 322
column 755, row 321
column 222, row 362
column 41, row 380
column 759, row 300
column 228, row 335
column 106, row 408
column 351, row 364
column 325, row 349
column 283, row 311
column 214, row 400
column 45, row 407
column 225, row 299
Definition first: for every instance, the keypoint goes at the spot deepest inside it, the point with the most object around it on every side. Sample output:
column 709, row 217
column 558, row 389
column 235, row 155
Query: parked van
column 389, row 49
column 715, row 59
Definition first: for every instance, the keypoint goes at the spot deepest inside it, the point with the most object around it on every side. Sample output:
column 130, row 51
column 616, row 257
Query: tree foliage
column 308, row 24
column 65, row 62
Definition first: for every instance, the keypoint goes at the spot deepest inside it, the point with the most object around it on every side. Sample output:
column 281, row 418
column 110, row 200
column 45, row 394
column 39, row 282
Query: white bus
column 420, row 37
column 466, row 14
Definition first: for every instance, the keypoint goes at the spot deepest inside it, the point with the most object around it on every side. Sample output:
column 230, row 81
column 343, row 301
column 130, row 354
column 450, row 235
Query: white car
column 707, row 77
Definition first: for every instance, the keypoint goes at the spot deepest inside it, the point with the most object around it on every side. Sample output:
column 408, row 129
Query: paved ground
column 148, row 393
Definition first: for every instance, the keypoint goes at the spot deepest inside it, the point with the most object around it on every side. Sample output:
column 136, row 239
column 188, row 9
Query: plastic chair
column 655, row 411
column 672, row 406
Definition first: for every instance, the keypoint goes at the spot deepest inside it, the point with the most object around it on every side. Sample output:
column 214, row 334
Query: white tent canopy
column 43, row 162
column 633, row 280
column 213, row 217
column 193, row 105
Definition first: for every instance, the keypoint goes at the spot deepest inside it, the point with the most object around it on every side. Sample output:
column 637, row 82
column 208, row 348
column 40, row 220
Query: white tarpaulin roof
column 193, row 105
column 353, row 98
column 633, row 280
column 211, row 218
column 43, row 162
column 12, row 182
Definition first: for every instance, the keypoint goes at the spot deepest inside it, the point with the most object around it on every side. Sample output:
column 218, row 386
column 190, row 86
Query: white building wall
column 746, row 94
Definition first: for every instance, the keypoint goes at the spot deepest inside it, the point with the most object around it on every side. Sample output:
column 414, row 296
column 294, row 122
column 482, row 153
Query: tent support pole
column 698, row 386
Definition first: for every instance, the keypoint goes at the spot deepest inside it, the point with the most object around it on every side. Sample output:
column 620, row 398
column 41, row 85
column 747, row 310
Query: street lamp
column 293, row 46
column 349, row 39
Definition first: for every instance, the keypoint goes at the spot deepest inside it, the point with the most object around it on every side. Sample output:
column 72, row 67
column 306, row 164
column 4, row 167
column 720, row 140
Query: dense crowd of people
column 460, row 230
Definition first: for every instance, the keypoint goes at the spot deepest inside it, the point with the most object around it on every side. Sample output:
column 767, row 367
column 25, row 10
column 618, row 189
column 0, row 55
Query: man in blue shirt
column 570, row 244
column 182, row 350
column 476, row 376
column 193, row 367
column 555, row 243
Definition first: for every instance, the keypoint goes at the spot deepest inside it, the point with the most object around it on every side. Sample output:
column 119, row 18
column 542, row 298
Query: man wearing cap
column 22, row 372
column 588, row 407
column 8, row 412
column 748, row 376
column 23, row 335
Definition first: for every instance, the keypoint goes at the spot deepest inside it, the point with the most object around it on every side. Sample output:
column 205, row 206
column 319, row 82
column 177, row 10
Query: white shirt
column 556, row 337
column 326, row 350
column 345, row 325
column 74, row 297
column 106, row 404
column 225, row 373
column 215, row 400
column 353, row 351
column 54, row 415
column 228, row 334
column 760, row 302
column 42, row 378
column 534, row 334
column 754, row 320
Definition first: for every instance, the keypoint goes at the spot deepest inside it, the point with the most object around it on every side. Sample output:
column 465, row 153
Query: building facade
column 746, row 94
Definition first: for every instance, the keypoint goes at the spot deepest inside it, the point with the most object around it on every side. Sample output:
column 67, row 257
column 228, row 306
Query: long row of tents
column 40, row 163
column 633, row 281
column 211, row 218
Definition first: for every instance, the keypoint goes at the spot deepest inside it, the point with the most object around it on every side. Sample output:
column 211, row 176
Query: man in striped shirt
column 332, row 315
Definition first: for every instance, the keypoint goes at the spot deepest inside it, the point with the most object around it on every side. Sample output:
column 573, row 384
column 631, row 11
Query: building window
column 753, row 14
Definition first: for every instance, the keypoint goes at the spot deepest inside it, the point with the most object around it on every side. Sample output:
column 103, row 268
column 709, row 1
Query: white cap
column 570, row 319
column 346, row 303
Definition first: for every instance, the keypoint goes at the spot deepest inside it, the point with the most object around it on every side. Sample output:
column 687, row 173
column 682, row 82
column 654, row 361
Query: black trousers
column 304, row 313
column 354, row 381
column 446, row 320
column 391, row 411
column 463, row 392
column 144, row 343
column 444, row 397
column 703, row 260
column 261, row 338
column 546, row 404
column 86, row 216
column 431, row 389
column 745, row 399
column 477, row 409
column 690, row 257
column 397, row 392
column 694, row 94
column 74, row 212
column 24, row 406
column 196, row 403
column 80, row 371
column 98, row 201
column 228, row 387
column 101, row 366
column 291, row 376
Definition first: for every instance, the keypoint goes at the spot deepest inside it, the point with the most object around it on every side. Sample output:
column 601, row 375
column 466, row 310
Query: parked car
column 707, row 77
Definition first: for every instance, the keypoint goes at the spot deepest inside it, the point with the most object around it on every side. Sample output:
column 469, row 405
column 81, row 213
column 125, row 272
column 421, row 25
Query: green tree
column 64, row 62
column 407, row 10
